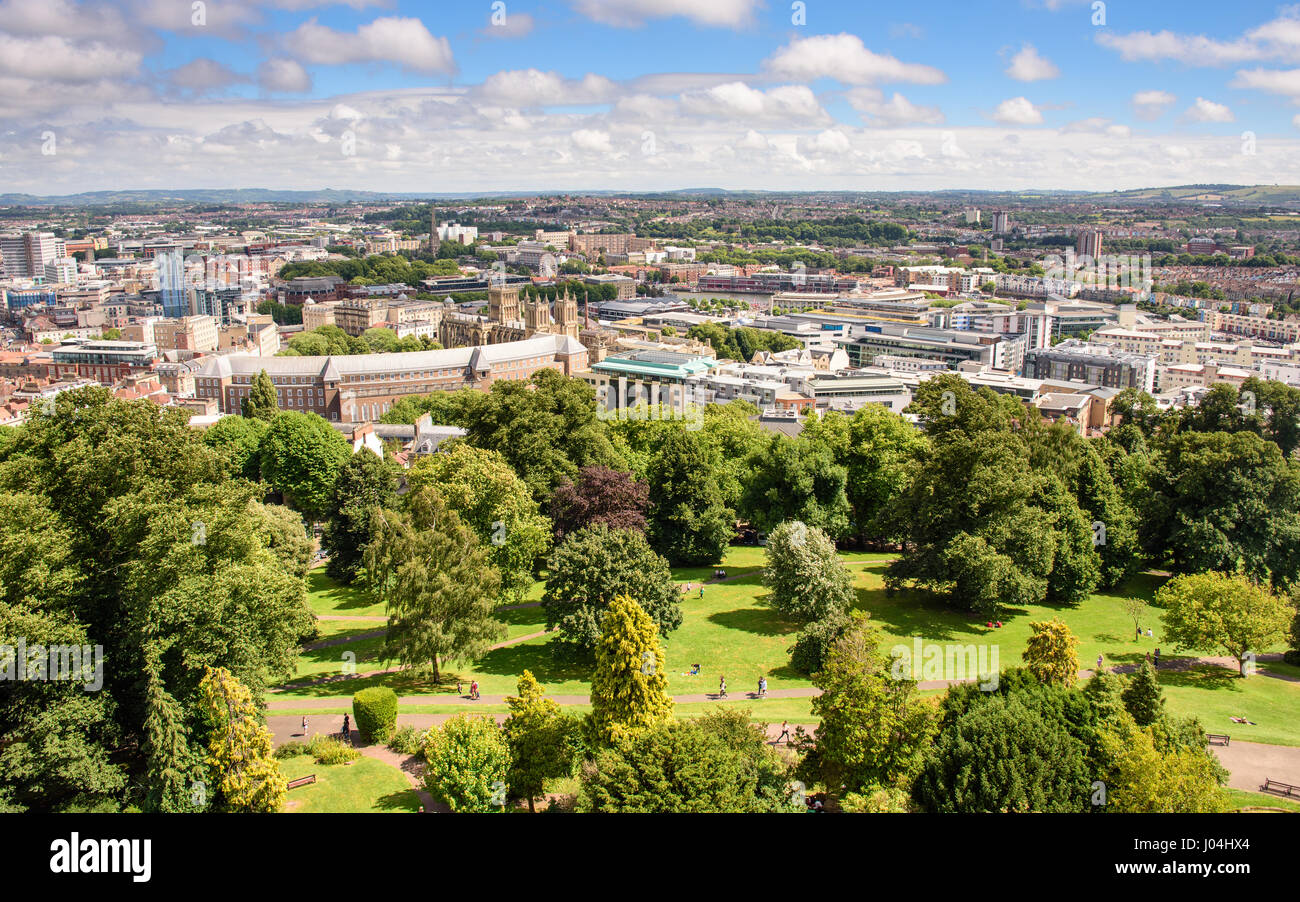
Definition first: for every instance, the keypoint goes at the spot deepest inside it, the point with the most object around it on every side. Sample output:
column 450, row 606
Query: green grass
column 1240, row 799
column 364, row 785
column 325, row 596
column 1213, row 694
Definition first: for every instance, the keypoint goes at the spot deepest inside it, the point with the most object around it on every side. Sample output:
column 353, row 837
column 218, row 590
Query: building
column 626, row 287
column 1093, row 364
column 1003, row 352
column 650, row 377
column 104, row 361
column 190, row 333
column 1001, row 222
column 24, row 254
column 356, row 315
column 1089, row 244
column 362, row 387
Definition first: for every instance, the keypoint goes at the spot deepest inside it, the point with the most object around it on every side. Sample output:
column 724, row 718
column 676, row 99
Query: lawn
column 1241, row 799
column 731, row 631
column 364, row 785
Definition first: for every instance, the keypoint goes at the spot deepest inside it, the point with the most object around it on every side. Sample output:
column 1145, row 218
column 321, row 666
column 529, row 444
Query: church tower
column 503, row 303
column 537, row 316
column 566, row 315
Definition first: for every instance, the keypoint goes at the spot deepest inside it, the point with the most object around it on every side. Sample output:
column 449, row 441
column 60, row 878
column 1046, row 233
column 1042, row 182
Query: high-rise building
column 1089, row 244
column 171, row 283
column 25, row 254
column 1001, row 222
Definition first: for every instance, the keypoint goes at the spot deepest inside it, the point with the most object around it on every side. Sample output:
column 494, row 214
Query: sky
column 640, row 95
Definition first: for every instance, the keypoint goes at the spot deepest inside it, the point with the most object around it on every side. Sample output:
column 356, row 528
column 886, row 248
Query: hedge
column 375, row 713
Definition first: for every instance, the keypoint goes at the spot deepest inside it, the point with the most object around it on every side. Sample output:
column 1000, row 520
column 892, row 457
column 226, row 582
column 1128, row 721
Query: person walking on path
column 1157, row 658
column 304, row 727
column 1099, row 663
column 762, row 687
column 785, row 733
column 473, row 690
column 701, row 591
column 722, row 688
column 347, row 729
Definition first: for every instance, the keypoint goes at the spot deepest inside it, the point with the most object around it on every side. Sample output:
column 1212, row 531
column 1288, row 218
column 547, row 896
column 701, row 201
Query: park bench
column 1219, row 738
column 302, row 781
column 1277, row 786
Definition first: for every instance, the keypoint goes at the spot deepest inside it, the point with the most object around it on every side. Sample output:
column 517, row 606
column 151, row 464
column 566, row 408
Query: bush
column 814, row 641
column 291, row 750
column 407, row 741
column 328, row 750
column 375, row 712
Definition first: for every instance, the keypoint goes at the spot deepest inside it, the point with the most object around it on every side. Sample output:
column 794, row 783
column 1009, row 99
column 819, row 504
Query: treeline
column 330, row 340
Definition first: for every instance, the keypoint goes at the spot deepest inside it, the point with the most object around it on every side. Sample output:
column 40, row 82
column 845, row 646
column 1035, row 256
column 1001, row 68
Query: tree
column 1050, row 655
column 540, row 737
column 1141, row 778
column 1101, row 501
column 1223, row 614
column 261, row 402
column 600, row 496
column 795, row 479
column 806, row 578
column 1142, row 697
column 364, row 483
column 595, row 565
column 629, row 688
column 689, row 523
column 468, row 763
column 1220, row 502
column 239, row 441
column 491, row 500
column 435, row 582
column 1136, row 608
column 718, row 763
column 301, row 458
column 1002, row 756
column 814, row 642
column 239, row 756
column 874, row 730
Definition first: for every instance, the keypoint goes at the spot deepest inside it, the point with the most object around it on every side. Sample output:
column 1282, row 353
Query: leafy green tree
column 261, row 402
column 814, row 642
column 435, row 582
column 629, row 686
column 468, row 763
column 1278, row 405
column 301, row 458
column 874, row 729
column 239, row 441
column 541, row 739
column 795, row 479
column 364, row 483
column 1050, row 653
column 1002, row 756
column 718, row 763
column 240, row 756
column 595, row 565
column 1223, row 614
column 805, row 576
column 1142, row 697
column 1222, row 501
column 1142, row 778
column 689, row 523
column 1101, row 500
column 490, row 499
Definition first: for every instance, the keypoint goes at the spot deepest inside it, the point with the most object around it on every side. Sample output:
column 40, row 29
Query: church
column 513, row 316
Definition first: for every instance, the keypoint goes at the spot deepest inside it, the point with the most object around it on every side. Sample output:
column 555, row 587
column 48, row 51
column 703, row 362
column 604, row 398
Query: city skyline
column 645, row 95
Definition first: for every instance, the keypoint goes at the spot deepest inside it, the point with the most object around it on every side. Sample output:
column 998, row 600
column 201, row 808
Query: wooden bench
column 1218, row 738
column 1285, row 789
column 302, row 781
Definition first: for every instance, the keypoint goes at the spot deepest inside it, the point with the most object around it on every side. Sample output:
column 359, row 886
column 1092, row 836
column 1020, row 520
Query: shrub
column 291, row 750
column 375, row 711
column 814, row 642
column 328, row 750
column 407, row 741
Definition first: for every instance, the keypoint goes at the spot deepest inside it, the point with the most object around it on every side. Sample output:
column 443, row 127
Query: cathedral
column 513, row 316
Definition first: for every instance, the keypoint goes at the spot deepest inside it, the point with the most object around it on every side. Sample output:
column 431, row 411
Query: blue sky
column 646, row 94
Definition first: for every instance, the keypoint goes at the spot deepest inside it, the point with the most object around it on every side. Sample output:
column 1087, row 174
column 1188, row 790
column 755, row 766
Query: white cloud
column 897, row 110
column 532, row 88
column 831, row 142
column 397, row 40
column 1027, row 65
column 787, row 104
column 202, row 75
column 1098, row 125
column 283, row 76
column 514, row 25
column 633, row 13
column 591, row 140
column 1273, row 81
column 1208, row 111
column 59, row 59
column 844, row 57
column 1150, row 105
column 1017, row 111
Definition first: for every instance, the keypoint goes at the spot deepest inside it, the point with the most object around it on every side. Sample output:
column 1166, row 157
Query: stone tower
column 566, row 315
column 503, row 303
column 537, row 316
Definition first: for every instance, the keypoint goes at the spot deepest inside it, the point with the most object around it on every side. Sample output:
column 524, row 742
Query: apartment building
column 104, row 361
column 189, row 333
column 1095, row 364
